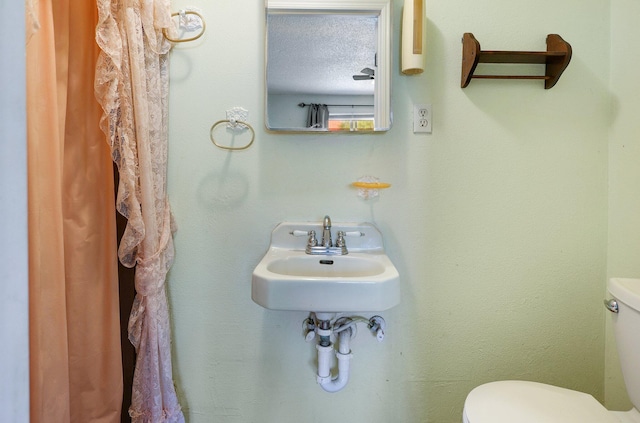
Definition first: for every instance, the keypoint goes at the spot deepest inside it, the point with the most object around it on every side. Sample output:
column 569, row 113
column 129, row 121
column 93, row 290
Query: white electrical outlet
column 422, row 118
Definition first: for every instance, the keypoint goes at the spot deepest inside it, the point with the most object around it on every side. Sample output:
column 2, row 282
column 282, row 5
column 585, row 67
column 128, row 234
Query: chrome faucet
column 326, row 233
column 326, row 247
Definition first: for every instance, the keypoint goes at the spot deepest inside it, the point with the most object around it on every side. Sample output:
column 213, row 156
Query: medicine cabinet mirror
column 328, row 65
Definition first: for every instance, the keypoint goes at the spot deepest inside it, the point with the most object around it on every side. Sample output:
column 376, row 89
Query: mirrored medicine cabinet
column 328, row 65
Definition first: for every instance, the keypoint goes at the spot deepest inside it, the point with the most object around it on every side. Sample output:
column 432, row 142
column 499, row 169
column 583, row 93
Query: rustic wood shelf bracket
column 556, row 59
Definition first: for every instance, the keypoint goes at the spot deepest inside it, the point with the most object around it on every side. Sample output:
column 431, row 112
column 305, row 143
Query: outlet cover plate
column 422, row 118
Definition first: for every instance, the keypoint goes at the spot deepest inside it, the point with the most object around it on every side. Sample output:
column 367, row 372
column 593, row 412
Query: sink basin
column 326, row 267
column 363, row 280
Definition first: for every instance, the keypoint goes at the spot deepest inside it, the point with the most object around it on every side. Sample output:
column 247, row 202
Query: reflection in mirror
column 328, row 65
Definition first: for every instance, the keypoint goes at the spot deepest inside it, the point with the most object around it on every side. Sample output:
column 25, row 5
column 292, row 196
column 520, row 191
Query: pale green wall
column 497, row 222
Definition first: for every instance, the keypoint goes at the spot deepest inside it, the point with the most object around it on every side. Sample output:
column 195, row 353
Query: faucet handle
column 298, row 232
column 341, row 243
column 313, row 241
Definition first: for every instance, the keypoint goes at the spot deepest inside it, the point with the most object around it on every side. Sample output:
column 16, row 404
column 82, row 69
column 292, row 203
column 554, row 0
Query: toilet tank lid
column 531, row 402
column 626, row 290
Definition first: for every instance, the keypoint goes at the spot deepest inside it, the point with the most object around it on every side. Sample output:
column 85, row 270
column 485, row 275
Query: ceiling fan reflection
column 366, row 74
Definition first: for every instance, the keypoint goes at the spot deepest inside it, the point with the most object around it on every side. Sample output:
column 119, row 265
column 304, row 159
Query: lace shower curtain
column 132, row 85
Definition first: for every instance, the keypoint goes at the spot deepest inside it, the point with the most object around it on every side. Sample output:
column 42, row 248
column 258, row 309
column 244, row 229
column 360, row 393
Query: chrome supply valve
column 309, row 329
column 377, row 326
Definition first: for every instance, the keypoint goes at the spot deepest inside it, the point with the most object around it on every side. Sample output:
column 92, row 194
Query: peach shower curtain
column 75, row 362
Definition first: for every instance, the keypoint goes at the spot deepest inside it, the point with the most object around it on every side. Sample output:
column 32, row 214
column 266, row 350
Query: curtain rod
column 337, row 105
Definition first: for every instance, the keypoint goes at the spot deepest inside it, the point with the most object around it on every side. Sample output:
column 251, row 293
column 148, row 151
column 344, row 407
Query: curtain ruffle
column 132, row 86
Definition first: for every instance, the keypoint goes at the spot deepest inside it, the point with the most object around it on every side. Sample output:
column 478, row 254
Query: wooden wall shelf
column 556, row 59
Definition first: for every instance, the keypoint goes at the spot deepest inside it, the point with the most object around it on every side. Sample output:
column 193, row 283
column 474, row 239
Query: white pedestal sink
column 364, row 280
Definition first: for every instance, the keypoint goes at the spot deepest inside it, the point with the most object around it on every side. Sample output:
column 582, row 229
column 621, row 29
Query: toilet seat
column 514, row 401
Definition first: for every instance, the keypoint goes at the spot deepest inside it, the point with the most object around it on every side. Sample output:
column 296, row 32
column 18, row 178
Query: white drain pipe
column 343, row 355
column 318, row 325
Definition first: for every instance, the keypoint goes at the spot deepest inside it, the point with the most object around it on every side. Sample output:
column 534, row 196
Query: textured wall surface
column 497, row 222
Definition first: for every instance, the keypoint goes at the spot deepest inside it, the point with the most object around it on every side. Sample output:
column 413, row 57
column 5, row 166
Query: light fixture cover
column 413, row 37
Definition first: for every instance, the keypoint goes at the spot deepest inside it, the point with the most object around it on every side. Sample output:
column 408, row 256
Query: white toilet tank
column 626, row 323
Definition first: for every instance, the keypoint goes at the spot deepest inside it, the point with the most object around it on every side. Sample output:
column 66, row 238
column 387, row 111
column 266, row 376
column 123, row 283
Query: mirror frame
column 383, row 118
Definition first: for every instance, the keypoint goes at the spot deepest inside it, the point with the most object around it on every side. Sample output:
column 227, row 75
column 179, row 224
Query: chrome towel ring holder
column 234, row 124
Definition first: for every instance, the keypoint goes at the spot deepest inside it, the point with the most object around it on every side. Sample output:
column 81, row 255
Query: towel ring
column 184, row 40
column 234, row 123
